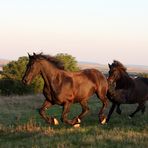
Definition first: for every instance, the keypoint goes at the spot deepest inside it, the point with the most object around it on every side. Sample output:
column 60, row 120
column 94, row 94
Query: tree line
column 11, row 76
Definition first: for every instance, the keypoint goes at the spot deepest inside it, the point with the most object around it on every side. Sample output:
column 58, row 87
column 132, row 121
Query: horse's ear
column 109, row 65
column 29, row 55
column 34, row 55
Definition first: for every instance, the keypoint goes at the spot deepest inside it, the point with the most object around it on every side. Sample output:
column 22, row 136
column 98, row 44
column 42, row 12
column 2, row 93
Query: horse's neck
column 125, row 82
column 48, row 73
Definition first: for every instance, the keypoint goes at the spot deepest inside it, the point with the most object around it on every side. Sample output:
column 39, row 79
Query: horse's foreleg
column 118, row 110
column 66, row 110
column 85, row 110
column 143, row 109
column 140, row 107
column 44, row 107
column 111, row 111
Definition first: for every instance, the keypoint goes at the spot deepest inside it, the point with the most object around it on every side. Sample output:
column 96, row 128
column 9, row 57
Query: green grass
column 22, row 126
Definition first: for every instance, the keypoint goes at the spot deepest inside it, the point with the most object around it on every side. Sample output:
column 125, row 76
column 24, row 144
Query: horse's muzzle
column 110, row 81
column 24, row 81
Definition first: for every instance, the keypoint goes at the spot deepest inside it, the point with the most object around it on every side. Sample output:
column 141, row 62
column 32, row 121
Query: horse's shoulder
column 141, row 81
column 65, row 77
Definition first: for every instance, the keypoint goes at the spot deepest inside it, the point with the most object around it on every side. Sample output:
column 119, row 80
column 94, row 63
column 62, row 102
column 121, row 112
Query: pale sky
column 90, row 30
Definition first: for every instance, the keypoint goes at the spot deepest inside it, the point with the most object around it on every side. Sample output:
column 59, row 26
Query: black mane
column 119, row 65
column 51, row 59
column 125, row 80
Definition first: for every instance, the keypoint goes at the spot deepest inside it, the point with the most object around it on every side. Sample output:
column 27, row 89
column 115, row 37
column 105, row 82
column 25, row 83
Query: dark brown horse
column 65, row 88
column 127, row 90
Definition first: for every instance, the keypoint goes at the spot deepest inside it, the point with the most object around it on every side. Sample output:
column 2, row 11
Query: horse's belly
column 84, row 93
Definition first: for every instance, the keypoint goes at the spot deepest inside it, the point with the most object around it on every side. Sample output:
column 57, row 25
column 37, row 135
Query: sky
column 91, row 30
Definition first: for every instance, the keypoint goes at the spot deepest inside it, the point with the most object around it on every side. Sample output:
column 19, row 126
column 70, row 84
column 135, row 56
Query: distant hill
column 85, row 65
column 101, row 67
column 104, row 68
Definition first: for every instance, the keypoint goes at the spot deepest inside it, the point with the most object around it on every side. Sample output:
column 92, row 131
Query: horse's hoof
column 76, row 121
column 129, row 117
column 79, row 120
column 55, row 121
column 76, row 125
column 103, row 120
column 119, row 112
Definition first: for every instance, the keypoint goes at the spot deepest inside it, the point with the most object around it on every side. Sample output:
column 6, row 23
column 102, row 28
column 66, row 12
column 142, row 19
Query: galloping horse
column 127, row 90
column 65, row 88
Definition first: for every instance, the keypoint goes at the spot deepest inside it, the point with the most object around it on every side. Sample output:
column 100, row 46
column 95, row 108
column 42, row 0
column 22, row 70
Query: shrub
column 11, row 87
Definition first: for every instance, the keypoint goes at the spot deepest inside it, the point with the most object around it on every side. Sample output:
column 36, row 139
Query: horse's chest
column 120, row 96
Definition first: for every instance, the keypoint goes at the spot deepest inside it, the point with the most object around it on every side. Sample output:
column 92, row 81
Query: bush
column 145, row 75
column 11, row 76
column 70, row 63
column 11, row 79
column 11, row 87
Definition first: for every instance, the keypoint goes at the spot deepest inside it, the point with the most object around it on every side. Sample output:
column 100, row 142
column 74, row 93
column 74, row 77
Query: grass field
column 21, row 126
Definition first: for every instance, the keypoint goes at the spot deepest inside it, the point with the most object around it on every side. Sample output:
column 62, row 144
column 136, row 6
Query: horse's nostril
column 24, row 81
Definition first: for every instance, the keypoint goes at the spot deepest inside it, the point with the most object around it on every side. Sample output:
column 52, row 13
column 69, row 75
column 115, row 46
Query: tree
column 145, row 75
column 15, row 69
column 13, row 72
column 70, row 63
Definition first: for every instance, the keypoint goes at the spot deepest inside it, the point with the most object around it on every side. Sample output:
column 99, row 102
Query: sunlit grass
column 22, row 126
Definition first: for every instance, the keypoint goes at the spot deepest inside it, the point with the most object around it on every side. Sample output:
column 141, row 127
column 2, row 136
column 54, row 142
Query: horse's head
column 32, row 69
column 115, row 72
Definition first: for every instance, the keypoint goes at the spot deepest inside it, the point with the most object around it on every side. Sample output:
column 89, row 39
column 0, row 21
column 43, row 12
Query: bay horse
column 126, row 89
column 65, row 88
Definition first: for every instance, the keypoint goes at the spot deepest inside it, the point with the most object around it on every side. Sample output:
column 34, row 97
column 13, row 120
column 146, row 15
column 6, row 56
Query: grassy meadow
column 21, row 126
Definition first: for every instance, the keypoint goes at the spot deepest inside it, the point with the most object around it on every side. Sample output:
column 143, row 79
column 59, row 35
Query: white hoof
column 103, row 121
column 76, row 125
column 129, row 117
column 79, row 120
column 55, row 121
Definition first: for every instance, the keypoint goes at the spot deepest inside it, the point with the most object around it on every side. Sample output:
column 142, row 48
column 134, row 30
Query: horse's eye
column 27, row 65
column 30, row 64
column 115, row 73
column 110, row 72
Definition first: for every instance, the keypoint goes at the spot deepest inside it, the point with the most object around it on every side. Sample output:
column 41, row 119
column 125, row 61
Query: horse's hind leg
column 143, row 109
column 140, row 107
column 104, row 100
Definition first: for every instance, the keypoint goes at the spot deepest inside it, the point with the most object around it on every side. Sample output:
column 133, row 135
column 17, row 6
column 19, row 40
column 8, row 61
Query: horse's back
column 95, row 75
column 144, row 80
column 141, row 88
column 141, row 82
column 98, row 78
